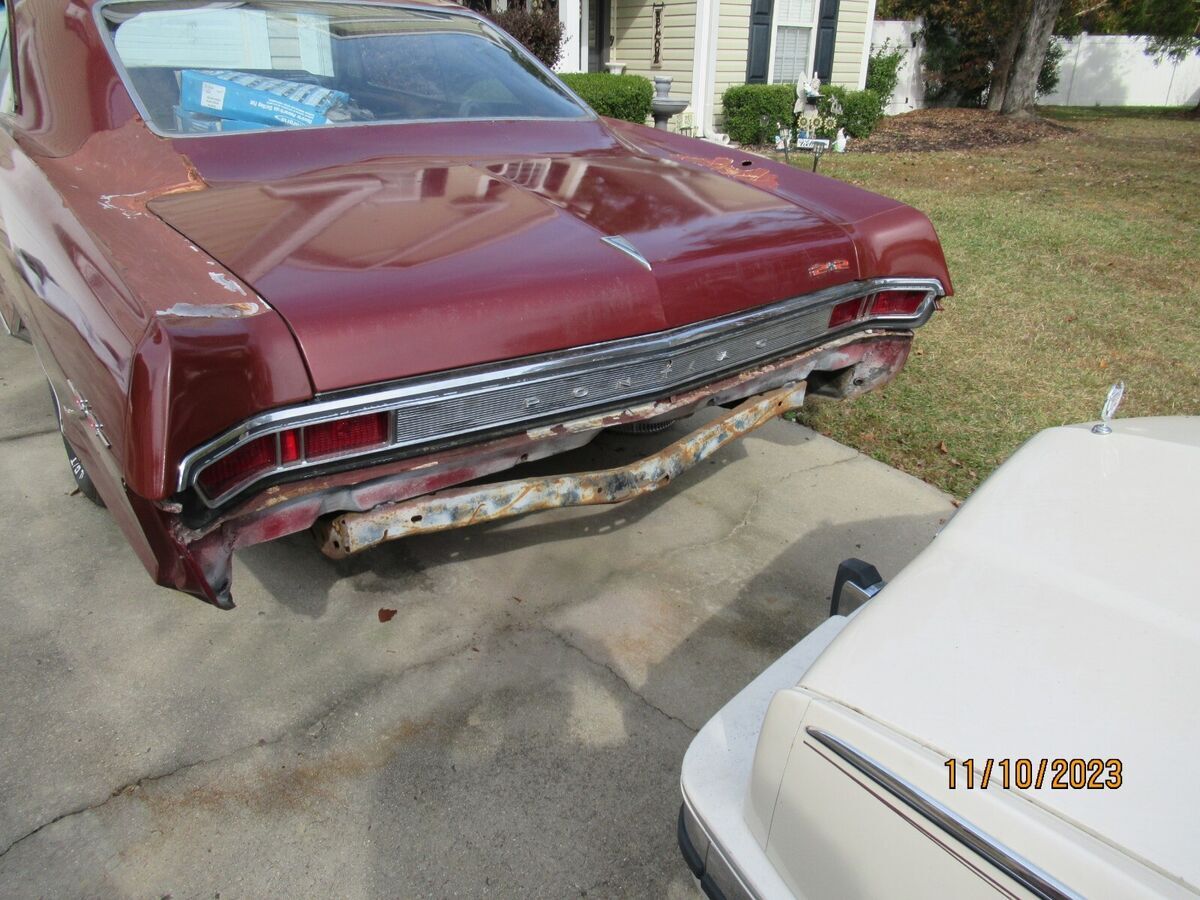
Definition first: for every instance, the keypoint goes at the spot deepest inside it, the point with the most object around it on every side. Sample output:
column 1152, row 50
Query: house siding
column 285, row 43
column 733, row 47
column 633, row 40
column 852, row 24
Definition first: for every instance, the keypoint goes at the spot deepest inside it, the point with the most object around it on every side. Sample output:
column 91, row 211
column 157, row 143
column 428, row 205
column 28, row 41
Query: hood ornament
column 624, row 246
column 1112, row 402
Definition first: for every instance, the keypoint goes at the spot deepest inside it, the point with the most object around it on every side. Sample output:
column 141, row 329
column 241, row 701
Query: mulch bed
column 923, row 130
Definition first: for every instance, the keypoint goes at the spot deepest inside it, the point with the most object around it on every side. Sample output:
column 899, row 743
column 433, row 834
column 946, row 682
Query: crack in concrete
column 7, row 438
column 128, row 787
column 620, row 678
column 315, row 725
column 745, row 519
column 310, row 727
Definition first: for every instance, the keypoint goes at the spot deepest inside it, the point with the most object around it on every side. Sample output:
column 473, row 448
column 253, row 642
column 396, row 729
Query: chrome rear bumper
column 717, row 878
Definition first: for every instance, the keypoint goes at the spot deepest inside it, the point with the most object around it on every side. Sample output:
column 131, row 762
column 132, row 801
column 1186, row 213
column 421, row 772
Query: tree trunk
column 1195, row 113
column 1002, row 68
column 1031, row 54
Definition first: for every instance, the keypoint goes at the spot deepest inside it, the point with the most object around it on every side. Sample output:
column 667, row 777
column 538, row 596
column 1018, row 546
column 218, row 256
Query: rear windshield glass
column 200, row 68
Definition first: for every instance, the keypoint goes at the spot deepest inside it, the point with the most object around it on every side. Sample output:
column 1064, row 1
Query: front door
column 599, row 29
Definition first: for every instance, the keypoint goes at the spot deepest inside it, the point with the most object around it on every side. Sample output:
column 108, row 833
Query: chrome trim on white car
column 1035, row 880
column 435, row 408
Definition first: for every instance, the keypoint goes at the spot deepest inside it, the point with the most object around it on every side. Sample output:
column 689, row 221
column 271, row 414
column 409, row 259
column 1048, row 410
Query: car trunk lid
column 396, row 267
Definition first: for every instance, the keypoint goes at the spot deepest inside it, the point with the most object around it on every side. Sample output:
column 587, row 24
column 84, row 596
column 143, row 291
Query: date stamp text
column 1023, row 773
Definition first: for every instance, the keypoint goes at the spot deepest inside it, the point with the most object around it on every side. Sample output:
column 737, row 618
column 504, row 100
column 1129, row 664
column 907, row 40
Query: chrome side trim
column 625, row 247
column 1035, row 880
column 481, row 399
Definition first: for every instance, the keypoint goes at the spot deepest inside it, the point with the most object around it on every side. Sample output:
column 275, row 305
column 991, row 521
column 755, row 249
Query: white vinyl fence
column 1114, row 70
column 910, row 89
column 1097, row 70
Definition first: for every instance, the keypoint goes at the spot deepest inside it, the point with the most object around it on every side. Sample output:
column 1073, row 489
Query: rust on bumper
column 458, row 507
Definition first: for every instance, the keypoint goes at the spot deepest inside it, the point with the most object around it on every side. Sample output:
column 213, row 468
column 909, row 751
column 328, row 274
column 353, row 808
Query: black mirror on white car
column 858, row 581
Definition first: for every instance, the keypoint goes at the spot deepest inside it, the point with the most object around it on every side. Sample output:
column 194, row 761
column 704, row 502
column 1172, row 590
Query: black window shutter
column 758, row 59
column 826, row 36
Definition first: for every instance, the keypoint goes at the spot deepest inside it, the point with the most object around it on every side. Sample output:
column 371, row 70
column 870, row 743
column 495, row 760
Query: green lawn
column 1076, row 262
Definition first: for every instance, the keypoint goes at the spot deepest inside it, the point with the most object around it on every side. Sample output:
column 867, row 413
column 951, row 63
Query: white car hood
column 1057, row 615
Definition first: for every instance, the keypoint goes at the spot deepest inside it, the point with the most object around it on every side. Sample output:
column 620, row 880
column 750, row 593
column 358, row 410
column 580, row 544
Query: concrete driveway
column 515, row 730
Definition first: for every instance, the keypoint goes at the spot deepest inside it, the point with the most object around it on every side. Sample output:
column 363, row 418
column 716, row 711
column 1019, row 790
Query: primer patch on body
column 220, row 311
column 226, row 282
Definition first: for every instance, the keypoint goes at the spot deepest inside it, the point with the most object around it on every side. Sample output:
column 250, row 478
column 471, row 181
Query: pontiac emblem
column 834, row 265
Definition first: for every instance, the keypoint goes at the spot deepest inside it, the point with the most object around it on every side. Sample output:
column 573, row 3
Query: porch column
column 574, row 49
column 704, row 64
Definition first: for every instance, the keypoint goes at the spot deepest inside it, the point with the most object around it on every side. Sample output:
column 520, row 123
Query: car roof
column 1056, row 615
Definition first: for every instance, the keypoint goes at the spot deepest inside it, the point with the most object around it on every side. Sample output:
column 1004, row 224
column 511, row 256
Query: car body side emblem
column 625, row 247
column 834, row 265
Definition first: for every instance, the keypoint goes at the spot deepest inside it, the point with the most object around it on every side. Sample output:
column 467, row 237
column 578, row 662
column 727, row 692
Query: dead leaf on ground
column 386, row 615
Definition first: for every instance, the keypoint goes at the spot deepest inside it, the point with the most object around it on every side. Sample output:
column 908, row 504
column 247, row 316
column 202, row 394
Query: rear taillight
column 845, row 312
column 897, row 303
column 289, row 446
column 295, row 446
column 344, row 435
column 243, row 463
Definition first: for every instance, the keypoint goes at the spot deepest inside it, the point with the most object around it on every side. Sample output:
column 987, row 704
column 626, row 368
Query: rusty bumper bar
column 458, row 507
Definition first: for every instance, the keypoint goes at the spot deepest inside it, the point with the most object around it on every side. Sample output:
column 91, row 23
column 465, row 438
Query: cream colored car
column 1047, row 642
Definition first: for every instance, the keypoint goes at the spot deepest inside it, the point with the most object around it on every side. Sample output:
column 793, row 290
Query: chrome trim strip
column 625, row 247
column 415, row 394
column 1035, row 880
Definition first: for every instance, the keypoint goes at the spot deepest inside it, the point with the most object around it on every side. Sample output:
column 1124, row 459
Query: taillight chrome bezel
column 723, row 345
column 303, row 459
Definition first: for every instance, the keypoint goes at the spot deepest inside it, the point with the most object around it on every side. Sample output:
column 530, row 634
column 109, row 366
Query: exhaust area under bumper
column 354, row 532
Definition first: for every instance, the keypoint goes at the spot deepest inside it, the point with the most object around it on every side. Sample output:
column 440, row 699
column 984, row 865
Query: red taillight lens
column 234, row 468
column 897, row 303
column 345, row 434
column 845, row 312
column 289, row 446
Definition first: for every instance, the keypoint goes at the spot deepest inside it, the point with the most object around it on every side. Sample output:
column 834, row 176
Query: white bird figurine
column 839, row 142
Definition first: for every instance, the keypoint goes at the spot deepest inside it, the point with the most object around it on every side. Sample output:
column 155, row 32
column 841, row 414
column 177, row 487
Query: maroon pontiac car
column 337, row 264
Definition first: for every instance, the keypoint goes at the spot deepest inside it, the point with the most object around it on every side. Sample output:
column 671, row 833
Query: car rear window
column 205, row 68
